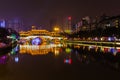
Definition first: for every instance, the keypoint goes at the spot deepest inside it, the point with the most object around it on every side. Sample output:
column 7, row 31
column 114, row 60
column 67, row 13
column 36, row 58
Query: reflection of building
column 39, row 50
column 34, row 50
column 4, row 59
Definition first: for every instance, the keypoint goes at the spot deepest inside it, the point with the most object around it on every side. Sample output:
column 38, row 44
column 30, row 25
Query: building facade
column 15, row 24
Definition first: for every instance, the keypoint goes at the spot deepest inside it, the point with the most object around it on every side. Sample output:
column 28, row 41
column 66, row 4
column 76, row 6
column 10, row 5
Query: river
column 60, row 62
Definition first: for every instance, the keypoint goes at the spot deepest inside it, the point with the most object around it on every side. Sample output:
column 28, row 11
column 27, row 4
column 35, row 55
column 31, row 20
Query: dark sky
column 39, row 12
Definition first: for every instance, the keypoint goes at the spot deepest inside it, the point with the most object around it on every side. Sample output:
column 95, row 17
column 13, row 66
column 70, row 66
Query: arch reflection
column 40, row 49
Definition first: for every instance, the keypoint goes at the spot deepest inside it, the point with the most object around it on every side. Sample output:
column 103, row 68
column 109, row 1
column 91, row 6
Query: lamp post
column 56, row 29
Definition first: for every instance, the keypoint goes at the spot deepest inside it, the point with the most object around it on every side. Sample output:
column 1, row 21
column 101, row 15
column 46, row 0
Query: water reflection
column 11, row 55
column 67, row 60
column 84, row 58
column 15, row 50
column 4, row 59
column 68, row 54
column 107, row 56
column 74, row 53
column 40, row 49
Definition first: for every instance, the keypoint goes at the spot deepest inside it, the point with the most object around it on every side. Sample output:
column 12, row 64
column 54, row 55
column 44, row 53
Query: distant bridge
column 43, row 34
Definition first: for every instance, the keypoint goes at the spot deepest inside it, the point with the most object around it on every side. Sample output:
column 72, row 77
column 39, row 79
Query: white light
column 16, row 59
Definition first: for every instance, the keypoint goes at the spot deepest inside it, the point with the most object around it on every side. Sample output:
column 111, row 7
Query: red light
column 68, row 61
column 105, row 49
column 118, row 50
column 69, row 18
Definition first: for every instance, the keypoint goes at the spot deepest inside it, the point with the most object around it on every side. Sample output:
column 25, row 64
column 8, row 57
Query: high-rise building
column 15, row 24
column 67, row 25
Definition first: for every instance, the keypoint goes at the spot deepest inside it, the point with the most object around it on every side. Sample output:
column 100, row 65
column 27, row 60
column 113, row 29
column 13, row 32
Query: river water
column 60, row 62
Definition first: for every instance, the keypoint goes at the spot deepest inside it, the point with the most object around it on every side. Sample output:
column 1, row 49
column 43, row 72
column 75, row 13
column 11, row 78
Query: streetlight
column 56, row 29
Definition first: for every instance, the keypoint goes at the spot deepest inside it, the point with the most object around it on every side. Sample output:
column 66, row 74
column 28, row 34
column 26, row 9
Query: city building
column 15, row 24
column 67, row 24
column 113, row 21
column 83, row 25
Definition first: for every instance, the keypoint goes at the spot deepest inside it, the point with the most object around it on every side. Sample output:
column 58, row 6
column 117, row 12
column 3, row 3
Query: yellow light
column 56, row 29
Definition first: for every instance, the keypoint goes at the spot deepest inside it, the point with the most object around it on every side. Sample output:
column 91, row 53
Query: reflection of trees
column 86, row 55
column 3, row 65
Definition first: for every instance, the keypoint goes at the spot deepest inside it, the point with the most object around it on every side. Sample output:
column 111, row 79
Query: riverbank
column 98, row 43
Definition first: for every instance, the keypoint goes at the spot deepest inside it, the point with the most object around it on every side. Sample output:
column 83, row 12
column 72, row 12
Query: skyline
column 40, row 12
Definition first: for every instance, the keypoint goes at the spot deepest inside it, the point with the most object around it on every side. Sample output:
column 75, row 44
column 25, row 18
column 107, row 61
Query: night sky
column 40, row 12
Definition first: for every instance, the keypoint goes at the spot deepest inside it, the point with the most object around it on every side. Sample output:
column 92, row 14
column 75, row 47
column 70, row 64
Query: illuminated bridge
column 42, row 34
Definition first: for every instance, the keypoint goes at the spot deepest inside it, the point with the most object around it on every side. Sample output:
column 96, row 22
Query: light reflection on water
column 40, row 50
column 71, row 55
column 83, row 52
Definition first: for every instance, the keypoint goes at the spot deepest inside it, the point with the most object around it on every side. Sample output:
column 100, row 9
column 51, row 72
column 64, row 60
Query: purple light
column 3, row 59
column 113, row 50
column 36, row 41
column 109, row 39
